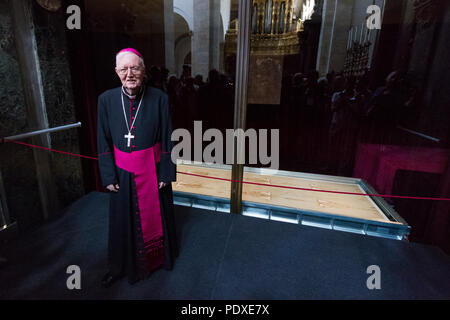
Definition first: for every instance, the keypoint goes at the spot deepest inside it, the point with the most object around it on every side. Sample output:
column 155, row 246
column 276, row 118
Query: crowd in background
column 321, row 120
column 333, row 114
column 191, row 99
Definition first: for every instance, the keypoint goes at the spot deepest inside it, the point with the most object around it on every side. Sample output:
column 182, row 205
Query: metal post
column 240, row 102
column 4, row 213
column 43, row 131
column 8, row 229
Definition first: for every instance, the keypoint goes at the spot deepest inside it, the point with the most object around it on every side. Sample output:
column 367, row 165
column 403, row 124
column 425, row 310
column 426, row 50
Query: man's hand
column 113, row 188
column 162, row 184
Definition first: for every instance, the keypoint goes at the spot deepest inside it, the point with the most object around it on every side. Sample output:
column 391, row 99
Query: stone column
column 206, row 37
column 201, row 38
column 429, row 67
column 225, row 7
column 336, row 20
column 169, row 36
column 216, row 36
column 225, row 12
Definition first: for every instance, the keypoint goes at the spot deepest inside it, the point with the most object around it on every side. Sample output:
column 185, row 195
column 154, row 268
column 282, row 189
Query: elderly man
column 134, row 146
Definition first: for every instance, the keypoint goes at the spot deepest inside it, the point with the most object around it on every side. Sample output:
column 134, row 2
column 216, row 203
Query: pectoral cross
column 129, row 136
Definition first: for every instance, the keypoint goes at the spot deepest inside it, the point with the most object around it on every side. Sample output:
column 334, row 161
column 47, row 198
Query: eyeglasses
column 134, row 70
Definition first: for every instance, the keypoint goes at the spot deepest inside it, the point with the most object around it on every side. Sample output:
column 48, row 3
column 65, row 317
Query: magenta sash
column 143, row 164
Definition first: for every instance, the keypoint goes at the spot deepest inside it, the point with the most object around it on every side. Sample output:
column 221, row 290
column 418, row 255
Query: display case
column 270, row 194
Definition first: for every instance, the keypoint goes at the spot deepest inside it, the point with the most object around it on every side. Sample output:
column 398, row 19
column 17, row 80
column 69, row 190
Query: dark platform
column 223, row 256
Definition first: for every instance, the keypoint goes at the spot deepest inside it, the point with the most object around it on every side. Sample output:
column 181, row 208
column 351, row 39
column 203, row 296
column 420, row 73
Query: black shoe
column 108, row 280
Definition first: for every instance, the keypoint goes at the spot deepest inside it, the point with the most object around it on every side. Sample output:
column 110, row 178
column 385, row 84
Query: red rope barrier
column 315, row 190
column 57, row 151
column 253, row 183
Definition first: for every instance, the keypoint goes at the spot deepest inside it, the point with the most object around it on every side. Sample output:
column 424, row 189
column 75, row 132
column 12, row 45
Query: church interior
column 358, row 89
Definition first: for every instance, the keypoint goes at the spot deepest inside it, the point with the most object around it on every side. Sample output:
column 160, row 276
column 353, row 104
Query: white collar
column 125, row 92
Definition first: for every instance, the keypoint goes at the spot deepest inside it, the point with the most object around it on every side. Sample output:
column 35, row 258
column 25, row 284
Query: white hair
column 141, row 60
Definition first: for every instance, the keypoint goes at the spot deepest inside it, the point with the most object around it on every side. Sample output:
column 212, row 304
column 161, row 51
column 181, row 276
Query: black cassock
column 141, row 220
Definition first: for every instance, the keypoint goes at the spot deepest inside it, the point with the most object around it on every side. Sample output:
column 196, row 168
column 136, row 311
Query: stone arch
column 185, row 15
column 183, row 41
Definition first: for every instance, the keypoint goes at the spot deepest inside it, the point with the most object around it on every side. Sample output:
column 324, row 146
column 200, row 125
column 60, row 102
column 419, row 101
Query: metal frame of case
column 398, row 231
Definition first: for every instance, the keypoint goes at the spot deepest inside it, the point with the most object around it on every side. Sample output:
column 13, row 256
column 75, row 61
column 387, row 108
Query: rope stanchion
column 252, row 183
